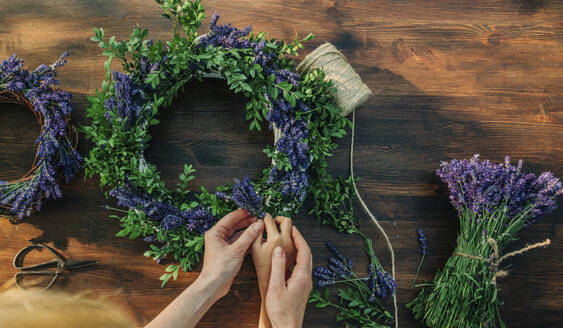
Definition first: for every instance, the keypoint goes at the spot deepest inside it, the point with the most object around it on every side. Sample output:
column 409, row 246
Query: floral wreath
column 56, row 152
column 299, row 107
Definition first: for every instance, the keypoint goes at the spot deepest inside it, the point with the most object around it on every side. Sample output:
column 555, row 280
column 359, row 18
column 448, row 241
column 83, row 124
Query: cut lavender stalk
column 423, row 250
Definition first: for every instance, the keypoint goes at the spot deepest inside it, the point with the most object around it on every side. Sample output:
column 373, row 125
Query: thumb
column 242, row 244
column 277, row 277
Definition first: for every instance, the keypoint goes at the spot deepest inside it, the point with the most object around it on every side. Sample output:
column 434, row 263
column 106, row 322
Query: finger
column 250, row 234
column 229, row 220
column 277, row 276
column 235, row 236
column 285, row 225
column 241, row 224
column 257, row 243
column 304, row 261
column 271, row 228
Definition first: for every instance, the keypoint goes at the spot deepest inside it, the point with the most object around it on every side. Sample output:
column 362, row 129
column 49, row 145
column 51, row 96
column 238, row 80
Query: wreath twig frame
column 56, row 154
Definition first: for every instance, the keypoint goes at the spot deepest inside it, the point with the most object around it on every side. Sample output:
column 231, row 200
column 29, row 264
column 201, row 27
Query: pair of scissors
column 59, row 262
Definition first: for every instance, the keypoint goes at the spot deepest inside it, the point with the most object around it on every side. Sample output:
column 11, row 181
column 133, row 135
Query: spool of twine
column 351, row 92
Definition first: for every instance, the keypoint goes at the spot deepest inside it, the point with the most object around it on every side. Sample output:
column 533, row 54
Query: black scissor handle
column 20, row 256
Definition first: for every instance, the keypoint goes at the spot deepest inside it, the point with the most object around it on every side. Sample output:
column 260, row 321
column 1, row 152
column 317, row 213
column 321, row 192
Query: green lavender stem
column 417, row 271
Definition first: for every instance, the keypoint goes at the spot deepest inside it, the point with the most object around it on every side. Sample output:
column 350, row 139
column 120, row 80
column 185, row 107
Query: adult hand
column 286, row 300
column 226, row 247
column 278, row 233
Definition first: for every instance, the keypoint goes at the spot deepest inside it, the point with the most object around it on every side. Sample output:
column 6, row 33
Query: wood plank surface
column 450, row 78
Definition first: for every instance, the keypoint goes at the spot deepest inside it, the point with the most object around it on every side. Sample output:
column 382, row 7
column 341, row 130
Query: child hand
column 262, row 250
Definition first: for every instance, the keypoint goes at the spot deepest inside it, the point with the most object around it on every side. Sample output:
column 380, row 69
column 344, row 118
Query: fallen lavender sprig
column 423, row 250
column 360, row 301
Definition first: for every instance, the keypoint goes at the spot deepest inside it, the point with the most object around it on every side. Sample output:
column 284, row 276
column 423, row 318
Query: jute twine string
column 351, row 93
column 495, row 260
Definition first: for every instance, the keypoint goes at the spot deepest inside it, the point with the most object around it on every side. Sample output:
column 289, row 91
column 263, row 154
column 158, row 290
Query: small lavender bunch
column 360, row 302
column 55, row 151
column 494, row 202
column 245, row 196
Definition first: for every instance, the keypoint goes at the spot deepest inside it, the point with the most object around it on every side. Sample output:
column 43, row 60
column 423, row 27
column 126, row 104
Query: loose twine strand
column 373, row 217
column 496, row 259
column 350, row 93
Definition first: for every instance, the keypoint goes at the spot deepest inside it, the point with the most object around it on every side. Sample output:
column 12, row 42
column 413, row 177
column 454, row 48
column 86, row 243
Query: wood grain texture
column 451, row 78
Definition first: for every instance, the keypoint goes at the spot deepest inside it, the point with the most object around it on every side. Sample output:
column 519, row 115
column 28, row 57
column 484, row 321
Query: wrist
column 210, row 287
column 264, row 321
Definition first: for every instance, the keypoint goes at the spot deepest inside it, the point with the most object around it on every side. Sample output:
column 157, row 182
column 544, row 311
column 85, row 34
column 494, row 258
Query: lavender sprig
column 167, row 215
column 245, row 196
column 423, row 250
column 365, row 292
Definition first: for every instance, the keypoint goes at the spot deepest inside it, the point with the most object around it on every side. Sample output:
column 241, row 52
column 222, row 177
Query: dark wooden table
column 451, row 78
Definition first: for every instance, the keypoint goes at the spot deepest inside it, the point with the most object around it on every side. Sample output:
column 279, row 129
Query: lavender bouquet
column 494, row 202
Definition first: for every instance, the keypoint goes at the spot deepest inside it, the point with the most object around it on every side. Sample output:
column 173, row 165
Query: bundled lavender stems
column 494, row 202
column 55, row 152
column 245, row 196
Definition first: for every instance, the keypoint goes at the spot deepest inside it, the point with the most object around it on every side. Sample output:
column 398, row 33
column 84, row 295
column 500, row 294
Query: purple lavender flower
column 150, row 238
column 482, row 185
column 325, row 277
column 336, row 252
column 422, row 241
column 128, row 101
column 198, row 219
column 246, row 197
column 338, row 267
column 221, row 195
column 225, row 36
column 171, row 222
column 381, row 283
column 170, row 217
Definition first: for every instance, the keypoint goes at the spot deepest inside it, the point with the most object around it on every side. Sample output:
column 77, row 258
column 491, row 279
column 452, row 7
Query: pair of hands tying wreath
column 284, row 290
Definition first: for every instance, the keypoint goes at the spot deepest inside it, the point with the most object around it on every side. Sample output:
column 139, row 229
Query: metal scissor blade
column 77, row 264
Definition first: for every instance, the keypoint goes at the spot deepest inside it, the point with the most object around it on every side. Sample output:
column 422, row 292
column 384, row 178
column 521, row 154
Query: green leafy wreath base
column 118, row 150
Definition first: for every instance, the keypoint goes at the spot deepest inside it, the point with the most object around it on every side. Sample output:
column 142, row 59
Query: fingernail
column 257, row 225
column 278, row 252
